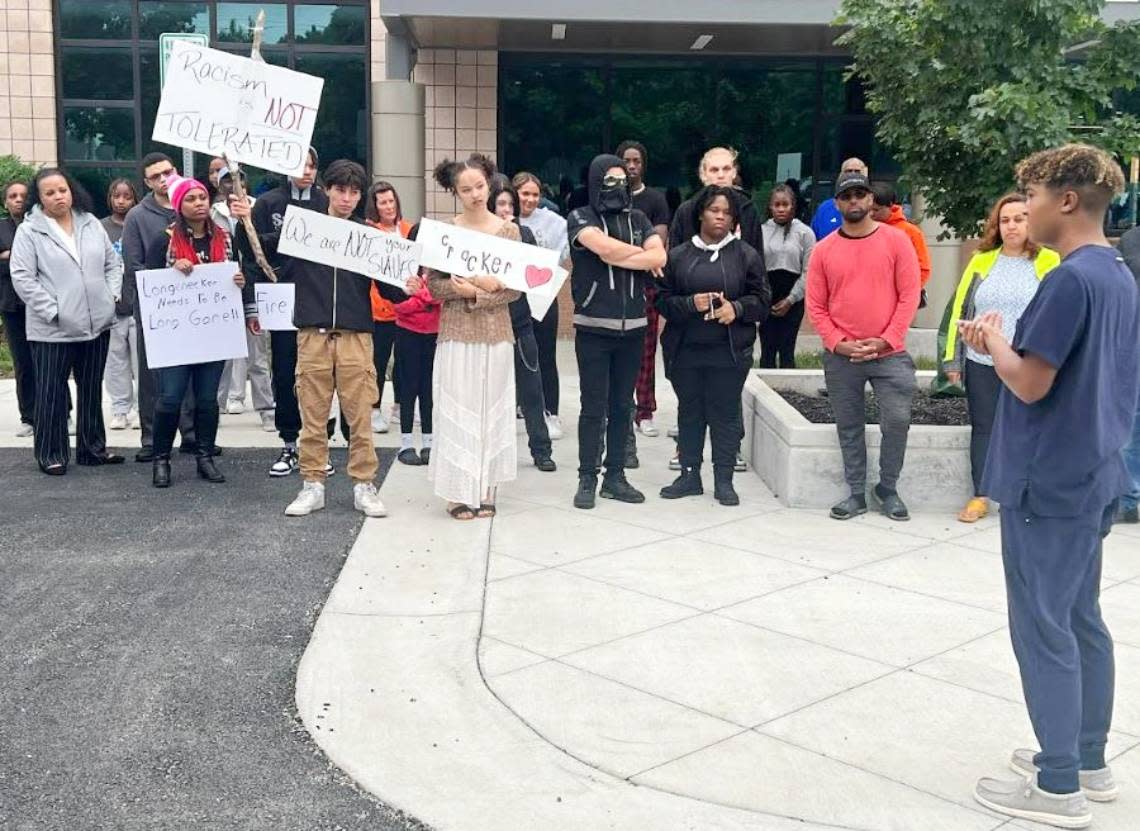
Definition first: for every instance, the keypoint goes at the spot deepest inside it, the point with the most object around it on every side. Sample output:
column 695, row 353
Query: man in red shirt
column 862, row 294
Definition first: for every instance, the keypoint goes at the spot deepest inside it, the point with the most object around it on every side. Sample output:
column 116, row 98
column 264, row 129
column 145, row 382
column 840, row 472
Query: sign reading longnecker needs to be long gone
column 465, row 253
column 216, row 103
column 353, row 246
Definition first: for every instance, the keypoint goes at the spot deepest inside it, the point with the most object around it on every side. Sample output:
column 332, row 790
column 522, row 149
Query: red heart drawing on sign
column 536, row 276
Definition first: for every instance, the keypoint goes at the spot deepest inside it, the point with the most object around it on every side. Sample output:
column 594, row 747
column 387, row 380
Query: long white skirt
column 474, row 447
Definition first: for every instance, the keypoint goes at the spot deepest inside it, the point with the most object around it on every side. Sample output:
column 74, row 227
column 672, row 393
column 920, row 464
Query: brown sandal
column 486, row 511
column 462, row 513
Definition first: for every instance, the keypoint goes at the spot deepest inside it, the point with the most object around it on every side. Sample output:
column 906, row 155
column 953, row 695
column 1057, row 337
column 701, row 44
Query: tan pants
column 342, row 361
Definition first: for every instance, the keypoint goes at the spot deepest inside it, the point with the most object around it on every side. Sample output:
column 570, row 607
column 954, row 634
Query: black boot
column 616, row 486
column 160, row 477
column 587, row 491
column 723, row 491
column 631, row 460
column 207, row 469
column 687, row 484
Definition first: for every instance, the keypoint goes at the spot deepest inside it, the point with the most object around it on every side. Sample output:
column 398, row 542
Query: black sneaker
column 618, row 487
column 587, row 489
column 409, row 456
column 545, row 464
column 849, row 508
column 286, row 463
column 890, row 504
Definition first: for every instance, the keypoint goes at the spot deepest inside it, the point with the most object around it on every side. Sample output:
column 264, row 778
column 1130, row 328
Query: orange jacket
column 384, row 311
column 917, row 239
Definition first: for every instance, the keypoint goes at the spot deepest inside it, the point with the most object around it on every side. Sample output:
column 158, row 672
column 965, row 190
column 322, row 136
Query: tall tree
column 963, row 89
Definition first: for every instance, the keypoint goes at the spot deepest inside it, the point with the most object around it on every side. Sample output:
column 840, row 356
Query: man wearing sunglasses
column 615, row 252
column 862, row 293
column 144, row 246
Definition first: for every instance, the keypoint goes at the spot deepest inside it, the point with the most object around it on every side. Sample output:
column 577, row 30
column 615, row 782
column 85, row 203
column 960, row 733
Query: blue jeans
column 172, row 383
column 1132, row 462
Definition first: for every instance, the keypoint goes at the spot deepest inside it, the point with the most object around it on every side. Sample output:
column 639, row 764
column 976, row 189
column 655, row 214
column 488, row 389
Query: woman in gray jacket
column 66, row 272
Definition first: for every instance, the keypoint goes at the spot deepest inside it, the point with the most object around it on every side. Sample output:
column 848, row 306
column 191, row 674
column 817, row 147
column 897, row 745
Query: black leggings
column 982, row 390
column 384, row 337
column 415, row 360
column 546, row 337
column 778, row 334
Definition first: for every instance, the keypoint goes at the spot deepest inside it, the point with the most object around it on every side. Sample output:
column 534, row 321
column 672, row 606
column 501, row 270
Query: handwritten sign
column 466, row 253
column 275, row 306
column 215, row 102
column 191, row 318
column 353, row 246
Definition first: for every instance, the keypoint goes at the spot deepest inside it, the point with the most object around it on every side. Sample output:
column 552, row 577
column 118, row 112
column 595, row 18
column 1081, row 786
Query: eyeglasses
column 615, row 181
column 162, row 174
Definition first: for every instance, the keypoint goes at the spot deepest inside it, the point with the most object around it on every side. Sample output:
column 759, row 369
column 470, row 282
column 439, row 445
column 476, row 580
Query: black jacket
column 522, row 320
column 751, row 223
column 607, row 300
column 9, row 301
column 742, row 279
column 269, row 215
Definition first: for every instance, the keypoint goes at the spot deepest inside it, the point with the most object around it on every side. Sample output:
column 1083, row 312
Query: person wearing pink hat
column 195, row 239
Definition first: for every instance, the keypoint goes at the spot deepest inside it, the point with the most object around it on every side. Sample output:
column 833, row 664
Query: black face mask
column 614, row 200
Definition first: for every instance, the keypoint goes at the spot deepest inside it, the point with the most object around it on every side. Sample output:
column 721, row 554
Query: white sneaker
column 366, row 499
column 24, row 431
column 740, row 465
column 673, row 432
column 648, row 428
column 394, row 413
column 379, row 423
column 235, row 406
column 268, row 421
column 71, row 425
column 311, row 498
column 554, row 426
column 118, row 422
column 133, row 420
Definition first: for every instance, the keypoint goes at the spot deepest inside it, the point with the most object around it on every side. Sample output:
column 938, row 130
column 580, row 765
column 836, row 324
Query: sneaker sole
column 379, row 515
column 277, row 474
column 1091, row 795
column 304, row 513
column 1055, row 820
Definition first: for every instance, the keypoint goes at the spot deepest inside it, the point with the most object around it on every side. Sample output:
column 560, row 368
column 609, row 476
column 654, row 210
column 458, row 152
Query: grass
column 5, row 360
column 814, row 360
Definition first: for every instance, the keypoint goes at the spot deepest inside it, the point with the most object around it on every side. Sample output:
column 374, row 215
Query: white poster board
column 275, row 306
column 216, row 102
column 353, row 246
column 789, row 166
column 191, row 318
column 466, row 253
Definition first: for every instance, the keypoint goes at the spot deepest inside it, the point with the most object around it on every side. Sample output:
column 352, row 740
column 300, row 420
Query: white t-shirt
column 67, row 239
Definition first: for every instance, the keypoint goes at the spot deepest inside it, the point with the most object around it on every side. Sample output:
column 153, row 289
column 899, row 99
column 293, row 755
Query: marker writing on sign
column 193, row 127
column 478, row 262
column 202, row 70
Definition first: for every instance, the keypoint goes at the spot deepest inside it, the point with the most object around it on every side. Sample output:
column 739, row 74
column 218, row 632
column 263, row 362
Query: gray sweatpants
column 892, row 379
column 256, row 368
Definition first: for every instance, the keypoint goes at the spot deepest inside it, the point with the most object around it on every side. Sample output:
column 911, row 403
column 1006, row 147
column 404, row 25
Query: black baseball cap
column 851, row 181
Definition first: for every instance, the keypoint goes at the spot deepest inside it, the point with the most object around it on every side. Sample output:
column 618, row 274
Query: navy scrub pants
column 1063, row 648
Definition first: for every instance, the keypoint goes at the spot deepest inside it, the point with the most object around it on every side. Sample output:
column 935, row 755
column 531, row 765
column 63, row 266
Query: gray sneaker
column 1023, row 799
column 1097, row 785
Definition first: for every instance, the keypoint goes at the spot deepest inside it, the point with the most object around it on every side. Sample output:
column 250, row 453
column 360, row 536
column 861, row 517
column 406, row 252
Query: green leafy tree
column 12, row 169
column 963, row 89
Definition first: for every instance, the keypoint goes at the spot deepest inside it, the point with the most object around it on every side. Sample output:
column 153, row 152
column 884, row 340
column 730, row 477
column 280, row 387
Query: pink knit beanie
column 177, row 187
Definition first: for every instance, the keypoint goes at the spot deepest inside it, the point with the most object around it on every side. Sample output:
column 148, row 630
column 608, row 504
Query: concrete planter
column 801, row 463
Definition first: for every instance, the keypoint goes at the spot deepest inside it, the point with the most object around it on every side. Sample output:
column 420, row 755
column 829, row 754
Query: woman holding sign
column 66, row 272
column 474, row 376
column 195, row 239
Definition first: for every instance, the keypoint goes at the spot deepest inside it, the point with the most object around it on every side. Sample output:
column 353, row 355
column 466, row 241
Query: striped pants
column 54, row 363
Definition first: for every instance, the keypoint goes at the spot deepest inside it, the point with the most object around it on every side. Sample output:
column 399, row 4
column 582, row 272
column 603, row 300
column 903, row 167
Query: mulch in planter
column 943, row 412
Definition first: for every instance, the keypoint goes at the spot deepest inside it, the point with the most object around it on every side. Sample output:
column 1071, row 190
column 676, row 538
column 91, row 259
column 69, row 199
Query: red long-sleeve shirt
column 863, row 288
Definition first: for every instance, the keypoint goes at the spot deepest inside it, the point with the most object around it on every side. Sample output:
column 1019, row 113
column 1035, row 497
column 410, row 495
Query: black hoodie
column 607, row 300
column 269, row 215
column 751, row 224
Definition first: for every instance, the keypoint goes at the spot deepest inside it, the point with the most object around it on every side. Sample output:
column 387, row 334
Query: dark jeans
column 778, row 339
column 607, row 369
column 283, row 366
column 385, row 336
column 415, row 363
column 1064, row 650
column 892, row 379
column 982, row 390
column 528, row 383
column 708, row 398
column 148, row 386
column 54, row 363
column 546, row 338
column 173, row 382
column 16, row 333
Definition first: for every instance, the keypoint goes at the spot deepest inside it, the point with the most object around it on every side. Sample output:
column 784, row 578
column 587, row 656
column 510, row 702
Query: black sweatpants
column 54, row 363
column 15, row 331
column 778, row 334
column 384, row 338
column 708, row 398
column 607, row 372
column 528, row 383
column 283, row 367
column 982, row 390
column 415, row 363
column 148, row 395
column 546, row 338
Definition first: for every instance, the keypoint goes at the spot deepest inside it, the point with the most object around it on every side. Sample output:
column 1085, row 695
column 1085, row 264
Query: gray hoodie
column 68, row 300
column 144, row 246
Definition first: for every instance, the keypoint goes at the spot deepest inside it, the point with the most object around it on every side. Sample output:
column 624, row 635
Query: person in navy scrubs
column 1055, row 466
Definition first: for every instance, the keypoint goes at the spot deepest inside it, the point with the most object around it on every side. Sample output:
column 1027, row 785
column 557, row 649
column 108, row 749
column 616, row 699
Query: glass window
column 99, row 133
column 328, row 24
column 342, row 121
column 157, row 18
column 97, row 180
column 95, row 19
column 235, row 22
column 97, row 73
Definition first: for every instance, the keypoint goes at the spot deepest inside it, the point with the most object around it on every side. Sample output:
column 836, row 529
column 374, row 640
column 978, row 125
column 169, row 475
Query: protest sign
column 466, row 253
column 353, row 246
column 275, row 306
column 216, row 102
column 191, row 318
